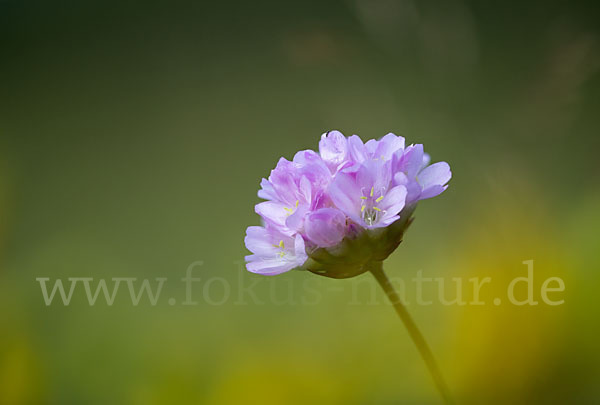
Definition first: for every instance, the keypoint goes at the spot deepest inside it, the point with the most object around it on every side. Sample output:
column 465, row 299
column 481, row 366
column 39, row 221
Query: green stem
column 413, row 331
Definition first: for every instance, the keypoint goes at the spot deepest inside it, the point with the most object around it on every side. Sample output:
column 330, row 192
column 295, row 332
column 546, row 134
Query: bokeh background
column 133, row 136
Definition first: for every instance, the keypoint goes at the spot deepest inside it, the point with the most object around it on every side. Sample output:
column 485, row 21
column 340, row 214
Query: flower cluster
column 319, row 203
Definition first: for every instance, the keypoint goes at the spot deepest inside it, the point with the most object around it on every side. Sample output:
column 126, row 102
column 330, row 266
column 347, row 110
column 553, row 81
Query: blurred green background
column 133, row 136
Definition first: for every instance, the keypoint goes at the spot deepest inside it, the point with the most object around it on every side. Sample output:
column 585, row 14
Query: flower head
column 335, row 211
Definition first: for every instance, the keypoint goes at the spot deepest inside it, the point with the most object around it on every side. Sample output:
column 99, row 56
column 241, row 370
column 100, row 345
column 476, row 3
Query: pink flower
column 328, row 200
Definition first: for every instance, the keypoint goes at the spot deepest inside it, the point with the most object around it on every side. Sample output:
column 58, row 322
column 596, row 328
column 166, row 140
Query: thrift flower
column 367, row 196
column 293, row 190
column 421, row 181
column 335, row 211
column 274, row 252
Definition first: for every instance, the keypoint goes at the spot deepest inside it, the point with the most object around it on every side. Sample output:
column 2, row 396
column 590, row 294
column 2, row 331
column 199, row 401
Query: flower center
column 290, row 211
column 370, row 212
column 281, row 246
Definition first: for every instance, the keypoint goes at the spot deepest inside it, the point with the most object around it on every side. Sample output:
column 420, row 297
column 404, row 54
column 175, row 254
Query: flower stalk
column 376, row 269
